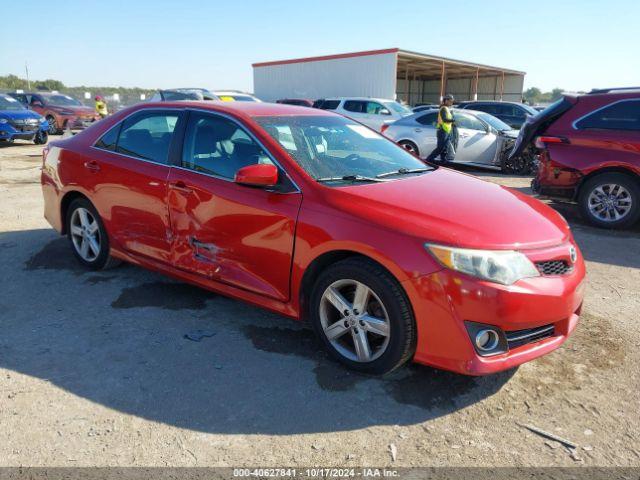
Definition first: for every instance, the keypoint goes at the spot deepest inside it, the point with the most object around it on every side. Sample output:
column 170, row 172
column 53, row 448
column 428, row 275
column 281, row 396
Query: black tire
column 629, row 183
column 410, row 147
column 41, row 137
column 402, row 328
column 53, row 128
column 102, row 260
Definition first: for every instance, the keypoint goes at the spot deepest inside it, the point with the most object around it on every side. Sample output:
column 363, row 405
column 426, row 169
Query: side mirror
column 258, row 175
column 384, row 111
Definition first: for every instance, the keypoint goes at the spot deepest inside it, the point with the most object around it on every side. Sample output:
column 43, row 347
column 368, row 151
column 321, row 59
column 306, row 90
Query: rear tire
column 87, row 236
column 610, row 200
column 373, row 331
column 410, row 147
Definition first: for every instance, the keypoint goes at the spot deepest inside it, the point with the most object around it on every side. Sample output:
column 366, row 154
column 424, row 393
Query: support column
column 502, row 87
column 475, row 85
column 442, row 81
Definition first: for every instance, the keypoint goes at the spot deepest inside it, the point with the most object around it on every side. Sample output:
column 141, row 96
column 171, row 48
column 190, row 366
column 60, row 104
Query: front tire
column 87, row 236
column 363, row 317
column 610, row 200
column 41, row 137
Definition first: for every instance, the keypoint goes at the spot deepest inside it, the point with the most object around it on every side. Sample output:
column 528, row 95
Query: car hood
column 451, row 208
column 19, row 114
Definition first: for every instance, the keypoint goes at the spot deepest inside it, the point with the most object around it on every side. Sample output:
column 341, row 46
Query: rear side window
column 148, row 136
column 492, row 109
column 622, row 115
column 108, row 140
column 429, row 119
column 329, row 104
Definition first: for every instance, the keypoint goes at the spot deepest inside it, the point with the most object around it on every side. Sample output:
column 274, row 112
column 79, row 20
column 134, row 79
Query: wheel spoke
column 361, row 298
column 376, row 325
column 337, row 300
column 93, row 227
column 336, row 330
column 84, row 219
column 361, row 344
column 76, row 231
column 93, row 244
column 84, row 248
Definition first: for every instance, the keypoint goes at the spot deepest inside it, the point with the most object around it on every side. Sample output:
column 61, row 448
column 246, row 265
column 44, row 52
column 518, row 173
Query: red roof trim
column 327, row 57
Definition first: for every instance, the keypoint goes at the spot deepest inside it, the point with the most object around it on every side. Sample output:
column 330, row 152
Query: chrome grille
column 554, row 267
column 517, row 338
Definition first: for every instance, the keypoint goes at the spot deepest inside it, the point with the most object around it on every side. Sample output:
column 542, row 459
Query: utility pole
column 26, row 69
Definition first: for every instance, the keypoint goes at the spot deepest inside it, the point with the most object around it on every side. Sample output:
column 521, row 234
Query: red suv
column 317, row 217
column 590, row 153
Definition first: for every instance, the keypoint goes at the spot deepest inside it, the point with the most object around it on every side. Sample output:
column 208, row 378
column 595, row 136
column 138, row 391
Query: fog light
column 487, row 340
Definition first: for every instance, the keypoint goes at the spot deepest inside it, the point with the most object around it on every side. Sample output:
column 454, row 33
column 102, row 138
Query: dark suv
column 589, row 152
column 512, row 113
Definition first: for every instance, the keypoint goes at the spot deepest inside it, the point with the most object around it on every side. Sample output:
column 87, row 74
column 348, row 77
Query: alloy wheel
column 354, row 320
column 85, row 234
column 52, row 126
column 609, row 202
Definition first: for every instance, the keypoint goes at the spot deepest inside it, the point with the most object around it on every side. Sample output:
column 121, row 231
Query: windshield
column 62, row 100
column 494, row 122
column 10, row 103
column 332, row 146
column 398, row 108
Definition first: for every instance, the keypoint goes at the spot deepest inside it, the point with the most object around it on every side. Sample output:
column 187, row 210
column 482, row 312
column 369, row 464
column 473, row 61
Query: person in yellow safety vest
column 444, row 133
column 101, row 107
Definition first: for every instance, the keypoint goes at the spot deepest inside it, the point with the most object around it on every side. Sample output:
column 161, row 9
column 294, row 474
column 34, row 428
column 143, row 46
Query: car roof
column 249, row 109
column 373, row 99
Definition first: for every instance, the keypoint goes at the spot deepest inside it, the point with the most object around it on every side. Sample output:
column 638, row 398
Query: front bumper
column 9, row 131
column 444, row 300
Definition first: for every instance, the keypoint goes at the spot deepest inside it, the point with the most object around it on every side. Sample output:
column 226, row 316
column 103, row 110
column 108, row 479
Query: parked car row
column 175, row 94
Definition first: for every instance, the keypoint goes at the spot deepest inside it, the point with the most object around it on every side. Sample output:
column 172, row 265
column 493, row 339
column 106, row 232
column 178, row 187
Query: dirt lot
column 95, row 369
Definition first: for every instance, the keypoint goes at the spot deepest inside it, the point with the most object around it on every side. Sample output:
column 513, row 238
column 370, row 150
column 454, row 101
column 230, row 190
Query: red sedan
column 317, row 217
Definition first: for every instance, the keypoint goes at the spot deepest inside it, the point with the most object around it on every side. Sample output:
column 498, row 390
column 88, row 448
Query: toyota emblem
column 573, row 254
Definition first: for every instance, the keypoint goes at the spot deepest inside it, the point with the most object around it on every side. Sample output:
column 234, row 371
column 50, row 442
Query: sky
column 574, row 45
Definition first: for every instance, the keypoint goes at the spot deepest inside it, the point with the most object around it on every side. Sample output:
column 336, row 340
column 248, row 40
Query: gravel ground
column 95, row 370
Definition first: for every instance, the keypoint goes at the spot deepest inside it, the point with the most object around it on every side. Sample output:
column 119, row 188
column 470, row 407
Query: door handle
column 92, row 166
column 464, row 135
column 180, row 186
column 417, row 130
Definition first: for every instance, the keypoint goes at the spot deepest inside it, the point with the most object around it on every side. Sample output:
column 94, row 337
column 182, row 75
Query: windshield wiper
column 350, row 178
column 403, row 171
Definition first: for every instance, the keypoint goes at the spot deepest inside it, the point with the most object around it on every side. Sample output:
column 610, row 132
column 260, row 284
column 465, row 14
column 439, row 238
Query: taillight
column 542, row 142
column 384, row 128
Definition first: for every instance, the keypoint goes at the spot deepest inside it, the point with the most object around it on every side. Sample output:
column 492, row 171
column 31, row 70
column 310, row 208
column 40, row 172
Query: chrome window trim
column 573, row 125
column 250, row 135
column 119, row 124
column 200, row 110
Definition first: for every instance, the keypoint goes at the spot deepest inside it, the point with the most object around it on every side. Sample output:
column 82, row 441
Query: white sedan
column 481, row 139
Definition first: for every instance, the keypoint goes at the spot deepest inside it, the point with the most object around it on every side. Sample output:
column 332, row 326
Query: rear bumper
column 443, row 301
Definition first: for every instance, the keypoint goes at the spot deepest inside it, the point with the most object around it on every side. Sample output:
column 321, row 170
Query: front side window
column 468, row 121
column 148, row 136
column 623, row 115
column 355, row 106
column 217, row 146
column 62, row 101
column 335, row 147
column 483, row 107
column 328, row 104
column 374, row 108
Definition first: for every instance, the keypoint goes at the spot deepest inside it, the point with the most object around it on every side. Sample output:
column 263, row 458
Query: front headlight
column 4, row 120
column 500, row 266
